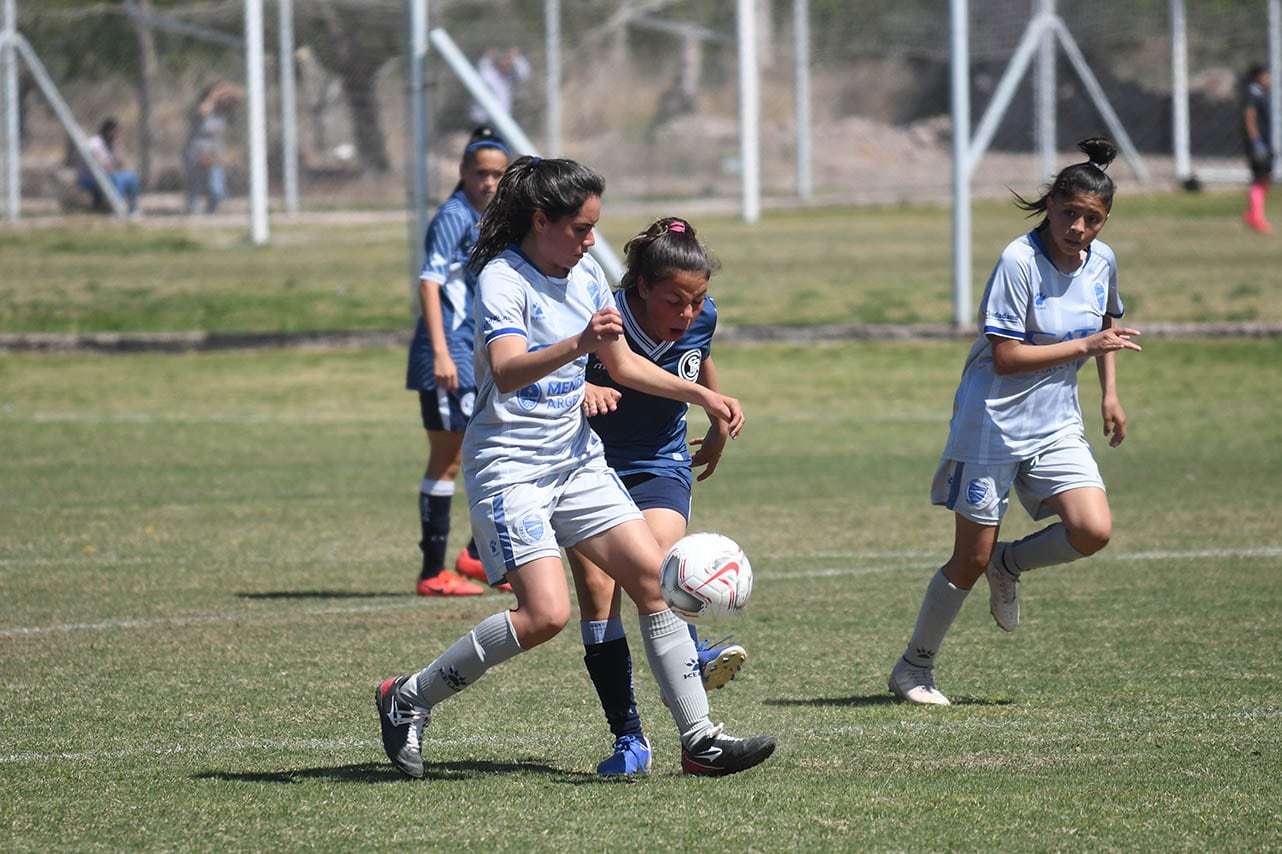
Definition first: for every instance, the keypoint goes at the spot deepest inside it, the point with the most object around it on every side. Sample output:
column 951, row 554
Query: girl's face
column 1072, row 222
column 480, row 175
column 557, row 245
column 669, row 305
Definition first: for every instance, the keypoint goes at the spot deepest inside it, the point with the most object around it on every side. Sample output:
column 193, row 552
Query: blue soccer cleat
column 719, row 662
column 631, row 756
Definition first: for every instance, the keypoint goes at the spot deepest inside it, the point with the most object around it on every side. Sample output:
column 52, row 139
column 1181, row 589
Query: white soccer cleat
column 1003, row 597
column 915, row 685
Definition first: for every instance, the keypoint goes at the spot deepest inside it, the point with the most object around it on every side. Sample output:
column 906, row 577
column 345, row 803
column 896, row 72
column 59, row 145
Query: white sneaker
column 1003, row 597
column 915, row 685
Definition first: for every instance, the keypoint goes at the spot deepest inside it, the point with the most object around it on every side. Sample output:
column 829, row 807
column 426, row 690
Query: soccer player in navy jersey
column 1050, row 304
column 669, row 318
column 440, row 358
column 1257, row 137
column 535, row 473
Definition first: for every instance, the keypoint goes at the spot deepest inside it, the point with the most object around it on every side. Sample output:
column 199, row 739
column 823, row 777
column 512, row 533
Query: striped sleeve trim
column 504, row 332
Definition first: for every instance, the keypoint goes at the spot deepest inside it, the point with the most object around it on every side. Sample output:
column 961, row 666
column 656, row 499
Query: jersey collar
column 632, row 328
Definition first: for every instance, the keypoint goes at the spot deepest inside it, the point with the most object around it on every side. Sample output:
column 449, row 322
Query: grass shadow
column 320, row 594
column 381, row 772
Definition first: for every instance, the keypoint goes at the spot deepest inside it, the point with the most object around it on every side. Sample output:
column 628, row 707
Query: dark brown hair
column 669, row 245
column 558, row 187
column 1079, row 179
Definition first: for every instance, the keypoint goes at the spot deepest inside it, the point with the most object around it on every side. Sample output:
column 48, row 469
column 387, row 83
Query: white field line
column 906, row 560
column 545, row 740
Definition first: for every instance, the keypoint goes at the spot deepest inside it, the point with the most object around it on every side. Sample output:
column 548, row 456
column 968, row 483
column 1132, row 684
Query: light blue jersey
column 538, row 430
column 1001, row 419
column 447, row 245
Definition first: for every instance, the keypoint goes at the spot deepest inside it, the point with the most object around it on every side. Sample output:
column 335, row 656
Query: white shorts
column 533, row 520
column 981, row 491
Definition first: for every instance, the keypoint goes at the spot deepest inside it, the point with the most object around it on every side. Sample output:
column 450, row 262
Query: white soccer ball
column 706, row 576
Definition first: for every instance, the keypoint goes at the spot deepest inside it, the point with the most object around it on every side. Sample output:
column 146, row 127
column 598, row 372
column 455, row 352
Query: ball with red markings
column 706, row 576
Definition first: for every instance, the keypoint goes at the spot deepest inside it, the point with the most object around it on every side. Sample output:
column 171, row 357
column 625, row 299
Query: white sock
column 938, row 610
column 1047, row 547
column 675, row 665
column 491, row 642
column 436, row 487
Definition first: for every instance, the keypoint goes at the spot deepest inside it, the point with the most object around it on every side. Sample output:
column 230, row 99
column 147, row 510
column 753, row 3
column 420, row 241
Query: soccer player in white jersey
column 534, row 471
column 1050, row 304
column 668, row 317
column 440, row 358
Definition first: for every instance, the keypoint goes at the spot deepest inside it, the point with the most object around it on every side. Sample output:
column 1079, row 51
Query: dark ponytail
column 1079, row 179
column 558, row 187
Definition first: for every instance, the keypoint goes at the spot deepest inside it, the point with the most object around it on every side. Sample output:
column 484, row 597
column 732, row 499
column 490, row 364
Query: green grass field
column 1183, row 258
column 207, row 563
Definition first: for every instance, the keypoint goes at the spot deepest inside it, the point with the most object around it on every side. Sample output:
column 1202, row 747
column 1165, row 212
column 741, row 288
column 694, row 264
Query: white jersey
column 538, row 430
column 1001, row 419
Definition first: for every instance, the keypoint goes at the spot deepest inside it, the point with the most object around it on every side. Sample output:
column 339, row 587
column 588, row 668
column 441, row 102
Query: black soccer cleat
column 402, row 726
column 717, row 754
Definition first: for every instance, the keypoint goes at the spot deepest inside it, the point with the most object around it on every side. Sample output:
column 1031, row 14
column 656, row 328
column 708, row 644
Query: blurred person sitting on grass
column 102, row 148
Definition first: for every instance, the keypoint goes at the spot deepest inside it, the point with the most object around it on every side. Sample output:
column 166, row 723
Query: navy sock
column 435, row 513
column 610, row 666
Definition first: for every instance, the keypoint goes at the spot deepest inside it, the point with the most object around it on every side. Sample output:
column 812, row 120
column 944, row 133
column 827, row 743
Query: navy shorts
column 653, row 491
column 446, row 410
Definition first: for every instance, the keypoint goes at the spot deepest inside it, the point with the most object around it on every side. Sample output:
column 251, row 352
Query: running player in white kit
column 1050, row 304
column 535, row 473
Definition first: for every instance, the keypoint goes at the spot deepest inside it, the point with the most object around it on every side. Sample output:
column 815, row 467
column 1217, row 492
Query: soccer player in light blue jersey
column 536, row 475
column 440, row 358
column 668, row 317
column 1050, row 304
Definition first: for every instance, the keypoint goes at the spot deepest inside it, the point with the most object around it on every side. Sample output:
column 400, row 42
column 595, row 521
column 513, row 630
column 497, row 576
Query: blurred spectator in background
column 501, row 71
column 1257, row 136
column 102, row 149
column 206, row 141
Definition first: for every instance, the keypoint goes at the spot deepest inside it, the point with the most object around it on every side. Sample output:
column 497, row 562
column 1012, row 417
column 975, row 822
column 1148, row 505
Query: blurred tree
column 355, row 45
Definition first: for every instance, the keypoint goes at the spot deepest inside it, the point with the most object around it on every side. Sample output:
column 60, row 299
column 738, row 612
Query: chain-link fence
column 648, row 93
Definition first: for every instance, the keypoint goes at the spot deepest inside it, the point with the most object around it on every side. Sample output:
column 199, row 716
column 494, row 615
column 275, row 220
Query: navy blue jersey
column 448, row 243
column 648, row 433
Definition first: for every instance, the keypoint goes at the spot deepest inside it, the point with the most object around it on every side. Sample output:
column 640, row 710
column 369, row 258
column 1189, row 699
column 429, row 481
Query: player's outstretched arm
column 634, row 371
column 1011, row 356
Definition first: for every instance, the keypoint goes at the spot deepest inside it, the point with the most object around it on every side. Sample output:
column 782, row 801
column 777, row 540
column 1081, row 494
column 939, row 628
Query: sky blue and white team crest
column 529, row 397
column 981, row 493
column 532, row 528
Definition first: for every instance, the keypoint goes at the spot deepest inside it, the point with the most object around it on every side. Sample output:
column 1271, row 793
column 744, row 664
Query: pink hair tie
column 679, row 227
